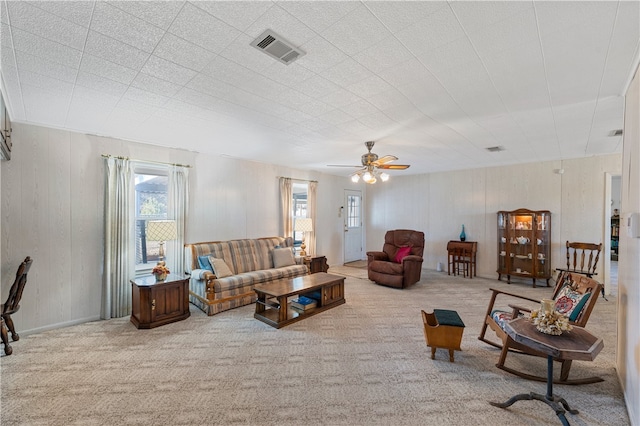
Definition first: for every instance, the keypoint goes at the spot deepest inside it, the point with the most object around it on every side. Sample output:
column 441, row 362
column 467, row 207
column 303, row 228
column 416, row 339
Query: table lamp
column 161, row 230
column 303, row 225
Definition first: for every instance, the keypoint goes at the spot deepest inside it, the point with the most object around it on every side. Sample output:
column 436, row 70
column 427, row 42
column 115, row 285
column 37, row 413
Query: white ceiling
column 434, row 83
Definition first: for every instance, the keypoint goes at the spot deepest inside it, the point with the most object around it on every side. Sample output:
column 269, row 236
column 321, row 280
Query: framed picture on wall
column 5, row 131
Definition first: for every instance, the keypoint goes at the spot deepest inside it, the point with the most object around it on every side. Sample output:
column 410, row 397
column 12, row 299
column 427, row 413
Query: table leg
column 559, row 405
column 283, row 314
column 262, row 298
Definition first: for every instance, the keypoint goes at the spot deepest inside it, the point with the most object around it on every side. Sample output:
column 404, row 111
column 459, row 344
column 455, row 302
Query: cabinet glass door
column 503, row 245
column 522, row 232
column 543, row 245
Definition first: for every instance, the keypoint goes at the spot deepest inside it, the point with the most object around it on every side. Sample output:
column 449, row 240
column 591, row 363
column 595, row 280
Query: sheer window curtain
column 311, row 212
column 178, row 210
column 119, row 234
column 286, row 202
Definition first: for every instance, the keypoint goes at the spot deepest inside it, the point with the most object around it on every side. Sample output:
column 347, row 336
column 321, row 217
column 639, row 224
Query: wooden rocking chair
column 12, row 304
column 581, row 294
column 582, row 258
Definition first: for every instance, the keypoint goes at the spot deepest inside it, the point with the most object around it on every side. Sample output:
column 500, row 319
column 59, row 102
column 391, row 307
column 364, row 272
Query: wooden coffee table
column 277, row 313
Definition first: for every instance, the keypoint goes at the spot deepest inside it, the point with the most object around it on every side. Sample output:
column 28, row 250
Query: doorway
column 353, row 247
column 611, row 231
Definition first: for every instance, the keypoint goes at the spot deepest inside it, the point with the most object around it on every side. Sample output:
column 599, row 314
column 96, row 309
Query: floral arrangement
column 160, row 269
column 550, row 322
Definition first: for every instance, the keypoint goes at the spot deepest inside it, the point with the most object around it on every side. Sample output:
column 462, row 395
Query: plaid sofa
column 250, row 260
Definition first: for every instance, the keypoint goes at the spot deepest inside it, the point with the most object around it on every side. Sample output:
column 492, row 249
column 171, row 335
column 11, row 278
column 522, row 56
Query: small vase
column 161, row 277
column 463, row 236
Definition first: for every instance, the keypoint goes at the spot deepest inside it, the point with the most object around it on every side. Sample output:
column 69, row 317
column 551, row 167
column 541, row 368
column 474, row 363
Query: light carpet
column 364, row 362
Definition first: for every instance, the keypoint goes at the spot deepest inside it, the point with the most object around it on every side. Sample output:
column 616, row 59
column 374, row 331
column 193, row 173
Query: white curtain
column 178, row 209
column 119, row 234
column 286, row 200
column 311, row 212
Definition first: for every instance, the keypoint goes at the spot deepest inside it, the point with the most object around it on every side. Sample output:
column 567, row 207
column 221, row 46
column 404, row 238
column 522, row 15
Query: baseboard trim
column 57, row 325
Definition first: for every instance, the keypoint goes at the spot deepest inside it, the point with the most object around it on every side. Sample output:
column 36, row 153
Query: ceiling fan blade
column 341, row 165
column 394, row 166
column 384, row 160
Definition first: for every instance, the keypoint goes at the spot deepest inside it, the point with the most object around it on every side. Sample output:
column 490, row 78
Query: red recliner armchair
column 399, row 264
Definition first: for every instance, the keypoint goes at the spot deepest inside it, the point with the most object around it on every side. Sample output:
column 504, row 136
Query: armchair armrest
column 517, row 309
column 412, row 258
column 377, row 255
column 202, row 274
column 518, row 296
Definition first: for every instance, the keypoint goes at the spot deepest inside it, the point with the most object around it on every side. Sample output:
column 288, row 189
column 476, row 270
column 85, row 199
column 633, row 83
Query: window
column 353, row 211
column 150, row 204
column 299, row 209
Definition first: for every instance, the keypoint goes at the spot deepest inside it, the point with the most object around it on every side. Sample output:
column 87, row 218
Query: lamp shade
column 161, row 230
column 304, row 224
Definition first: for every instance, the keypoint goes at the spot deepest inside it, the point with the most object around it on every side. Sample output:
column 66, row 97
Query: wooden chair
column 12, row 305
column 495, row 318
column 582, row 258
column 8, row 350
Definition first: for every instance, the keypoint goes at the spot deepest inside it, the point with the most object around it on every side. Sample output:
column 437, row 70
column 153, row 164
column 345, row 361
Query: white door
column 353, row 249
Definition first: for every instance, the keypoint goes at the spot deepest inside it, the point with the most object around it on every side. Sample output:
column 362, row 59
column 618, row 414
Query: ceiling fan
column 371, row 166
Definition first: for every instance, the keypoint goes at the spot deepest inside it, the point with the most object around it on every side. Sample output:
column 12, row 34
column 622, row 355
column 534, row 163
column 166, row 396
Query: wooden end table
column 316, row 264
column 577, row 344
column 158, row 303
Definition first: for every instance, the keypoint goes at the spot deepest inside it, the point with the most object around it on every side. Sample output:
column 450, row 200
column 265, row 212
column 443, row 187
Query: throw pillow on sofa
column 203, row 262
column 282, row 257
column 220, row 267
column 402, row 253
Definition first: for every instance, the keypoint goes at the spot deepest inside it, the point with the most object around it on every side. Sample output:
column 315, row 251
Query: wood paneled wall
column 439, row 203
column 51, row 208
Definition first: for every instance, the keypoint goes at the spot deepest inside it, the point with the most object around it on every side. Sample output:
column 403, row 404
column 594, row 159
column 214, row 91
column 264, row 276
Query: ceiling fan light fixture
column 355, row 178
column 384, row 177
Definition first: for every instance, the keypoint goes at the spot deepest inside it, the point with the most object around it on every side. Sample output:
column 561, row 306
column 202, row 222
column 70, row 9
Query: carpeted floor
column 364, row 362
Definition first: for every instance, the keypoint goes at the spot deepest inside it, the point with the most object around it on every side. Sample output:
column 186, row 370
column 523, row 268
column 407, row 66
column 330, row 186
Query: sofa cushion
column 402, row 253
column 220, row 268
column 282, row 257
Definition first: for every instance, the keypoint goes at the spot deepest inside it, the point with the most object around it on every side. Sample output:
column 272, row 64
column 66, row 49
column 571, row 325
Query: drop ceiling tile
column 318, row 15
column 126, row 28
column 101, row 84
column 377, row 121
column 131, row 105
column 203, row 29
column 408, row 71
column 560, row 16
column 340, row 98
column 210, row 86
column 87, row 116
column 52, row 85
column 92, row 95
column 320, row 55
column 176, row 106
column 294, row 99
column 315, row 108
column 102, row 67
column 369, row 87
column 454, row 54
column 405, row 113
column 388, row 99
column 317, row 87
column 158, row 13
column 398, row 15
column 4, row 19
column 155, row 85
column 78, row 12
column 183, row 52
column 355, row 128
column 358, row 31
column 44, row 107
column 506, row 34
column 360, row 108
column 443, row 29
column 145, row 96
column 335, row 117
column 116, row 51
column 37, row 65
column 288, row 75
column 347, row 73
column 13, row 95
column 477, row 15
column 239, row 14
column 384, row 55
column 168, row 71
column 284, row 24
column 49, row 50
column 45, row 25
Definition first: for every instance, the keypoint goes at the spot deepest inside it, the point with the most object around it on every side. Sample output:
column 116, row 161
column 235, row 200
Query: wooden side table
column 577, row 344
column 462, row 252
column 316, row 264
column 159, row 303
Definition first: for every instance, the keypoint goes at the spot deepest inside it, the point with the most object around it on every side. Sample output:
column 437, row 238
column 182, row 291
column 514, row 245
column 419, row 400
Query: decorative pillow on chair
column 570, row 302
column 220, row 267
column 402, row 253
column 282, row 257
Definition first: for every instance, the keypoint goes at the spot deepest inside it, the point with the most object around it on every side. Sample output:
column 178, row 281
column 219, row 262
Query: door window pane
column 353, row 211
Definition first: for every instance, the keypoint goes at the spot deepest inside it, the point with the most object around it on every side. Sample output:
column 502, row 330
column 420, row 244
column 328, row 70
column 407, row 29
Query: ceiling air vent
column 277, row 47
column 616, row 132
column 495, row 148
